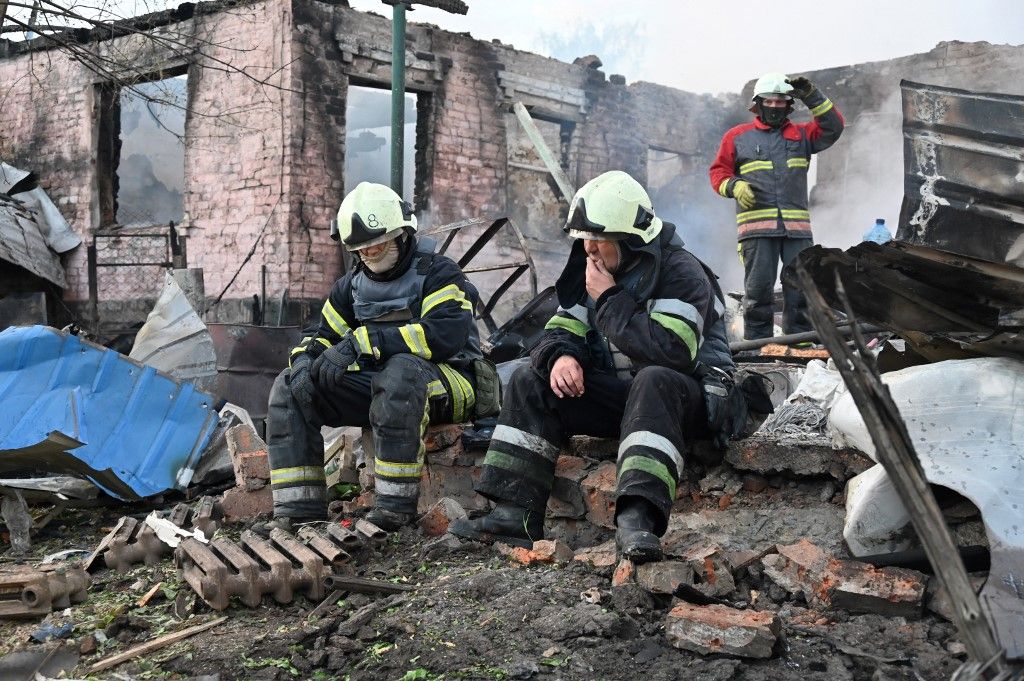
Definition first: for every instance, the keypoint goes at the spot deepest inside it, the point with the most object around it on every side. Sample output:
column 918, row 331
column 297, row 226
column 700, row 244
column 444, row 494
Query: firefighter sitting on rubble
column 396, row 348
column 636, row 344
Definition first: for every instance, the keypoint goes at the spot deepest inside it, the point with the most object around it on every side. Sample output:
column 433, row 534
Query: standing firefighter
column 395, row 349
column 763, row 165
column 638, row 330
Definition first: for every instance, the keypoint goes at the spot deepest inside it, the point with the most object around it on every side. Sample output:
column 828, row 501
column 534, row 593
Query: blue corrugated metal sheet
column 141, row 432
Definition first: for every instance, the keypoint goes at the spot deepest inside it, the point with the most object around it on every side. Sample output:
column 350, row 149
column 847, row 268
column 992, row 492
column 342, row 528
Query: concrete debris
column 600, row 556
column 664, row 577
column 717, row 629
column 800, row 456
column 18, row 521
column 435, row 521
column 251, row 568
column 827, row 582
column 28, row 593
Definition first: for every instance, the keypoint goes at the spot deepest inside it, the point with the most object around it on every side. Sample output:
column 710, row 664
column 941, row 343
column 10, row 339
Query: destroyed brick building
column 253, row 161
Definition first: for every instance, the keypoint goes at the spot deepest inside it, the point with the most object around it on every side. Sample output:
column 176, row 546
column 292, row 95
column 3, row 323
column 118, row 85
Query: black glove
column 329, row 368
column 718, row 387
column 802, row 88
column 300, row 382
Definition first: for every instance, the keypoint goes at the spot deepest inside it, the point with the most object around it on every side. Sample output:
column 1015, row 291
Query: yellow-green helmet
column 611, row 207
column 371, row 214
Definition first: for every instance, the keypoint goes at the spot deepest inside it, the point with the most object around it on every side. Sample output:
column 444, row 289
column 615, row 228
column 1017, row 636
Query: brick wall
column 265, row 142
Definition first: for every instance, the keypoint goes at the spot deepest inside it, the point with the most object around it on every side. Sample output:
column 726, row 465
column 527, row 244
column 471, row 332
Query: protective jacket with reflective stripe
column 775, row 161
column 426, row 311
column 666, row 310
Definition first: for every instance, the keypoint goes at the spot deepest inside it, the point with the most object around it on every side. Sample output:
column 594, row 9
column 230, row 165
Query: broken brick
column 600, row 556
column 567, row 498
column 845, row 584
column 543, row 551
column 624, row 572
column 249, row 457
column 717, row 629
column 552, row 551
column 443, row 436
column 664, row 577
column 455, row 482
column 242, row 504
column 599, row 494
column 435, row 521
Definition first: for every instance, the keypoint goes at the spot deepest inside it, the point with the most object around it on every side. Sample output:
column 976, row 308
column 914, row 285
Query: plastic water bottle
column 879, row 233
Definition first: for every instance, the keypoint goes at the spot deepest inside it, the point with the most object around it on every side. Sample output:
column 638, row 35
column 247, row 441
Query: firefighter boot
column 286, row 523
column 507, row 524
column 389, row 520
column 634, row 536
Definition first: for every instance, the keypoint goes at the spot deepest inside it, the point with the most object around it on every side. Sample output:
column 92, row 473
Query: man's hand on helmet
column 802, row 88
column 330, row 367
column 744, row 194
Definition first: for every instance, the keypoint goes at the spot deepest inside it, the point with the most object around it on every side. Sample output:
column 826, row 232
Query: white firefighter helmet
column 611, row 207
column 371, row 214
column 770, row 84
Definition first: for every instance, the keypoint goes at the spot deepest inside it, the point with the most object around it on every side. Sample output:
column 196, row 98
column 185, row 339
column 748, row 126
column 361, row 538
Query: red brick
column 599, row 494
column 435, row 521
column 249, row 457
column 241, row 504
column 845, row 584
column 717, row 629
column 567, row 497
column 624, row 573
column 443, row 436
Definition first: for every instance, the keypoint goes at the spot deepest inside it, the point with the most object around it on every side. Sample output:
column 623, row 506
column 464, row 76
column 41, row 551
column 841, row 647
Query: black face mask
column 774, row 116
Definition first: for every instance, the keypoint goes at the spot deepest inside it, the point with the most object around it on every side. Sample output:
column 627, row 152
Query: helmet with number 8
column 372, row 214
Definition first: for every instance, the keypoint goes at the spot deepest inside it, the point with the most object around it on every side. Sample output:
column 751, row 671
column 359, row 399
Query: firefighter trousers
column 397, row 402
column 656, row 415
column 761, row 257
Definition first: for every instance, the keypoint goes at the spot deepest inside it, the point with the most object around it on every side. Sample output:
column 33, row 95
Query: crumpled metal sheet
column 22, row 243
column 56, row 230
column 74, row 407
column 966, row 419
column 945, row 305
column 963, row 165
column 174, row 339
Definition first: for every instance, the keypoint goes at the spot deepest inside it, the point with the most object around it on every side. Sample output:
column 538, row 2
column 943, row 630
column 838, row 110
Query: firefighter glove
column 717, row 386
column 330, row 367
column 744, row 194
column 802, row 88
column 300, row 382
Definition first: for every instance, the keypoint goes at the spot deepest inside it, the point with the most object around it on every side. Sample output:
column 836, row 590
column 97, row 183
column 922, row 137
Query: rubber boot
column 507, row 524
column 389, row 520
column 634, row 536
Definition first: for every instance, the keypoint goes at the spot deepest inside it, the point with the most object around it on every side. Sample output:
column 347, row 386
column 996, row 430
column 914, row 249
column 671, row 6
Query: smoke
column 368, row 139
column 860, row 178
